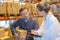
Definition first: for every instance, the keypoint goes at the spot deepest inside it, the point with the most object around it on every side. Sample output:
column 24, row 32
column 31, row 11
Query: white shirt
column 49, row 28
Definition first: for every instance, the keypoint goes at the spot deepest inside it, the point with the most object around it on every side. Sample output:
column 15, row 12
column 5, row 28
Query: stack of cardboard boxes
column 3, row 34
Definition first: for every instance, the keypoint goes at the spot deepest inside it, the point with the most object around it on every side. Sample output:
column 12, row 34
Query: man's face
column 25, row 14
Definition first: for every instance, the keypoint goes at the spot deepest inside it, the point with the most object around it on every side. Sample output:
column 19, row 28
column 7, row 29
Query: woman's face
column 41, row 13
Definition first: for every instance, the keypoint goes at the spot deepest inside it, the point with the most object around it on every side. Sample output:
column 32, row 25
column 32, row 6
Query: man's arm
column 14, row 26
column 35, row 25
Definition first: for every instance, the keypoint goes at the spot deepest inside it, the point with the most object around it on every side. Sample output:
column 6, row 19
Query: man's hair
column 44, row 7
column 21, row 9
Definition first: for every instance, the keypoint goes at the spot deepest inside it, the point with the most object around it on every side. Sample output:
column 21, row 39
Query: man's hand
column 16, row 35
column 34, row 32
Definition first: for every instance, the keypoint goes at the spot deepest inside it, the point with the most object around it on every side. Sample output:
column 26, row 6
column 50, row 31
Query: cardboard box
column 5, row 38
column 2, row 32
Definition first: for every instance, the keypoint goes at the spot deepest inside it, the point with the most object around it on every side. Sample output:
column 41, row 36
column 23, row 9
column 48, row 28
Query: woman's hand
column 34, row 32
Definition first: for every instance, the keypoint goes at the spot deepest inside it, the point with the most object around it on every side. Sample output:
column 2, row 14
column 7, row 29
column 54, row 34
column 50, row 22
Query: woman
column 50, row 25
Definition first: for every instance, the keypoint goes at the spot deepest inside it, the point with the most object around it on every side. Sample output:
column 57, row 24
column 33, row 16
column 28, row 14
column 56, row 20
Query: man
column 26, row 22
column 49, row 27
